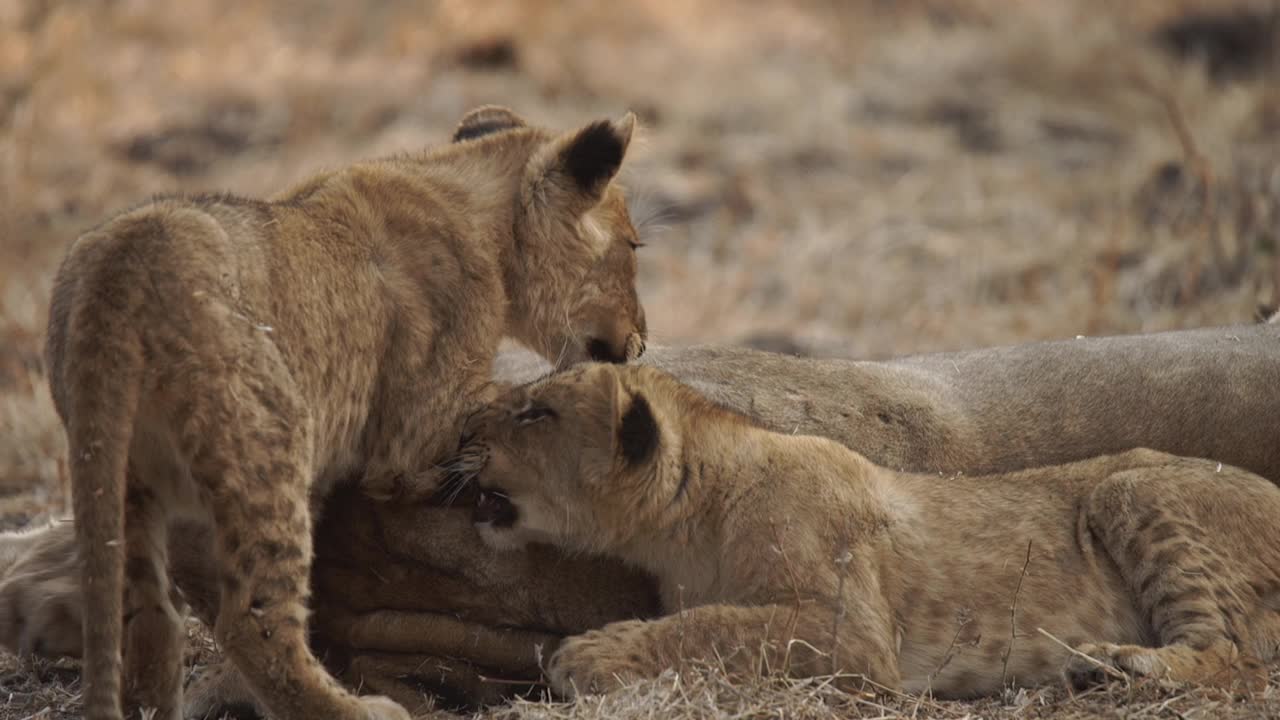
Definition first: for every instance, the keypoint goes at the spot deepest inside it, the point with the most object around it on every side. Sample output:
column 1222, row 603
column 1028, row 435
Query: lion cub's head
column 579, row 459
column 571, row 287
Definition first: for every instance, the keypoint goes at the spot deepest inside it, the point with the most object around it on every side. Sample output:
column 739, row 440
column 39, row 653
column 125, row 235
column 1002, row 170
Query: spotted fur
column 231, row 360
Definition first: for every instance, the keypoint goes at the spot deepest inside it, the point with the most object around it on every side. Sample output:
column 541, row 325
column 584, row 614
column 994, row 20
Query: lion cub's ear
column 578, row 165
column 637, row 431
column 595, row 153
column 633, row 428
column 486, row 120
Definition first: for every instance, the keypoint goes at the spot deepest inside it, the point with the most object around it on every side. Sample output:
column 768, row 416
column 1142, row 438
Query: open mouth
column 493, row 507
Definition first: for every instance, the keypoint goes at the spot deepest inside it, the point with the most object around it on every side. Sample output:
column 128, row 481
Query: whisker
column 650, row 214
column 571, row 338
column 458, row 486
column 456, row 483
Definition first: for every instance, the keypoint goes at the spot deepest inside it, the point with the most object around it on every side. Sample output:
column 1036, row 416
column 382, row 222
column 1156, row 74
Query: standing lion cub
column 783, row 552
column 228, row 360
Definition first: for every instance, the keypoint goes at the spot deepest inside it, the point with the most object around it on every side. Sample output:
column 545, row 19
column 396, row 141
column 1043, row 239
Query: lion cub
column 792, row 553
column 229, row 360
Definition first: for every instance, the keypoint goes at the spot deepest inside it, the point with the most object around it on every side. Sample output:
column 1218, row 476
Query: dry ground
column 851, row 176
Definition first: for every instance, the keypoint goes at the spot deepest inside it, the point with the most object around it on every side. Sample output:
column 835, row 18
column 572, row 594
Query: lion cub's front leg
column 764, row 639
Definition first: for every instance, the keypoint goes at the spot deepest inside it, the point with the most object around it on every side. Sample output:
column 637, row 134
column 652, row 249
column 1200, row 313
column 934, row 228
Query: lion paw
column 377, row 707
column 1221, row 665
column 219, row 691
column 1112, row 660
column 402, row 488
column 594, row 662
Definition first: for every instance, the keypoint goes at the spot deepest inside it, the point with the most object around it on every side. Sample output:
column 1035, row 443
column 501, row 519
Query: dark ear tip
column 486, row 120
column 595, row 154
column 638, row 431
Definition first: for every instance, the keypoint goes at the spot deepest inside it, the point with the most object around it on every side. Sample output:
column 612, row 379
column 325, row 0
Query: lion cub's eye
column 534, row 414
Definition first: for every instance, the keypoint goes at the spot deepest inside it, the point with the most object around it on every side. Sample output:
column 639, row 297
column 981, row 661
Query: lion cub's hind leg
column 263, row 548
column 154, row 637
column 1193, row 566
column 250, row 448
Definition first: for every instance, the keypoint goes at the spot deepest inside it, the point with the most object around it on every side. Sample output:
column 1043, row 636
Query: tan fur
column 1207, row 392
column 230, row 360
column 42, row 612
column 791, row 553
column 946, row 410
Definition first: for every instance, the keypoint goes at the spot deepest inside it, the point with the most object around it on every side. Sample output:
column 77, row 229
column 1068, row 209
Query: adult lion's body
column 1200, row 393
column 793, row 553
column 228, row 361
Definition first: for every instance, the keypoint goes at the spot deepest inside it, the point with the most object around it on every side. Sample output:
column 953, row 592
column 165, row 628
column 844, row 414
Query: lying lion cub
column 793, row 553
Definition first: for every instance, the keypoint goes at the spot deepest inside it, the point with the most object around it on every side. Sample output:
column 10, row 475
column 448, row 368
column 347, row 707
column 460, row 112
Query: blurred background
column 862, row 178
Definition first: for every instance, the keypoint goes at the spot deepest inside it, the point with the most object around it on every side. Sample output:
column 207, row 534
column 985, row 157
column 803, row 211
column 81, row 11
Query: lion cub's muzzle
column 491, row 506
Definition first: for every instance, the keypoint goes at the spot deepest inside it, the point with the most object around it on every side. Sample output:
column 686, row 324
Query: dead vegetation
column 708, row 694
column 852, row 177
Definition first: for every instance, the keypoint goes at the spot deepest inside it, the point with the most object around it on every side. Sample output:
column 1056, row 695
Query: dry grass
column 841, row 176
column 50, row 691
column 709, row 694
